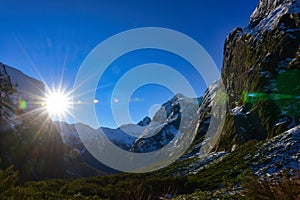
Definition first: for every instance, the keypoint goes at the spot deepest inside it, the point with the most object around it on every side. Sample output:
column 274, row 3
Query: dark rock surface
column 261, row 71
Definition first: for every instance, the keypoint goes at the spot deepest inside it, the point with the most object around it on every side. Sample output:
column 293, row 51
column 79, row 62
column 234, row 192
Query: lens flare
column 57, row 103
column 255, row 97
column 22, row 104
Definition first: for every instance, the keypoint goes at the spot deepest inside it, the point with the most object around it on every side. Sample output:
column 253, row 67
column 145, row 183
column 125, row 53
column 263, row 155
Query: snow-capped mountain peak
column 268, row 13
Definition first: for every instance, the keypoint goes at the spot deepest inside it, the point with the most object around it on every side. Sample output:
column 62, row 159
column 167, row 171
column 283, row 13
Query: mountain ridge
column 29, row 140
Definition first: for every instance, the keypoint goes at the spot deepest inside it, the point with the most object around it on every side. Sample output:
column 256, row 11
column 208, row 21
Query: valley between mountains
column 253, row 154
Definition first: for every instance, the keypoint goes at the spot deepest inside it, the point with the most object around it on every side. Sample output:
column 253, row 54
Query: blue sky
column 49, row 40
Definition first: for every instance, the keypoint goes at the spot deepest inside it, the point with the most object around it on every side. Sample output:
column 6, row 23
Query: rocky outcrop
column 261, row 71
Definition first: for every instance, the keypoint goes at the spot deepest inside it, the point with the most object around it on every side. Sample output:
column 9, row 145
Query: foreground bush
column 286, row 188
column 8, row 179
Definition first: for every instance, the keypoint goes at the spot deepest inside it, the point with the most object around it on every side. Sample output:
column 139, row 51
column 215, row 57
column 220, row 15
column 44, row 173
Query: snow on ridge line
column 267, row 14
column 29, row 89
column 237, row 110
column 133, row 129
column 295, row 130
column 69, row 133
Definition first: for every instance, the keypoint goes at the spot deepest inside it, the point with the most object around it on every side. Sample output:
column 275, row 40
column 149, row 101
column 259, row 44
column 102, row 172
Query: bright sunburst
column 57, row 103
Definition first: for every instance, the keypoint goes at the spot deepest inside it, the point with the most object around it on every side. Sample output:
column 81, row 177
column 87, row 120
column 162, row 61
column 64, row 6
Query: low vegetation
column 219, row 180
column 288, row 187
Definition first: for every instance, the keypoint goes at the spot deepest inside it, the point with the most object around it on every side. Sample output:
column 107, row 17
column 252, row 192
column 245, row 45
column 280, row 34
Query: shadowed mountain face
column 29, row 139
column 261, row 71
column 7, row 106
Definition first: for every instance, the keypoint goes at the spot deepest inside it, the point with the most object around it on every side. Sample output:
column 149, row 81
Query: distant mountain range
column 260, row 73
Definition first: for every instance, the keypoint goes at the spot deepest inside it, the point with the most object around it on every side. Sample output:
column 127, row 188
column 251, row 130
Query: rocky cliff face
column 261, row 71
column 28, row 138
column 209, row 116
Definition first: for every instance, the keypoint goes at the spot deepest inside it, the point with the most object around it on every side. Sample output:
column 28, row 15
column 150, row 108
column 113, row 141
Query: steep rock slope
column 213, row 106
column 28, row 138
column 166, row 124
column 261, row 73
column 205, row 114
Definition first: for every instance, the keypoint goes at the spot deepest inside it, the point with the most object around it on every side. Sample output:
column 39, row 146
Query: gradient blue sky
column 49, row 40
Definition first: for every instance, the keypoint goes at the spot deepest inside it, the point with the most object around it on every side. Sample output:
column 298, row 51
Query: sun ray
column 58, row 103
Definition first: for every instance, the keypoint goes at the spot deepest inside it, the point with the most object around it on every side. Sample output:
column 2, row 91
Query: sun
column 57, row 103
